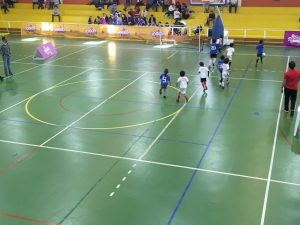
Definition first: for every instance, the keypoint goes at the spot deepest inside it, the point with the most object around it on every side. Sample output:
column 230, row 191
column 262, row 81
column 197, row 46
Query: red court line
column 27, row 219
column 22, row 158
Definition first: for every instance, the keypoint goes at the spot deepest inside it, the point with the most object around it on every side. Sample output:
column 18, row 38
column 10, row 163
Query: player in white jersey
column 229, row 53
column 204, row 74
column 182, row 82
column 225, row 73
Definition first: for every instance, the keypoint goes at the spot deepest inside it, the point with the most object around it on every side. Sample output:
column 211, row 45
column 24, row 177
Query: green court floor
column 86, row 139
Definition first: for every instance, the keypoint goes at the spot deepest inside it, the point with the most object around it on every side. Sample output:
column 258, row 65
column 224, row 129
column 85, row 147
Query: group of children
column 223, row 66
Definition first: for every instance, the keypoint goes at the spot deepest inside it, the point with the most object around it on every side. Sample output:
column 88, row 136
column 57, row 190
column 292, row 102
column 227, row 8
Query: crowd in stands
column 136, row 16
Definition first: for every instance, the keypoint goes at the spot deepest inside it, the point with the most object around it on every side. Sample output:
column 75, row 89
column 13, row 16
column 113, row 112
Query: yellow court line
column 28, row 112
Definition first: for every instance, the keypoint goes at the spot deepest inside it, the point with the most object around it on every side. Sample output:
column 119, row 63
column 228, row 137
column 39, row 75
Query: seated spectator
column 97, row 20
column 141, row 21
column 211, row 18
column 152, row 4
column 177, row 15
column 185, row 12
column 178, row 6
column 90, row 20
column 113, row 9
column 130, row 20
column 160, row 24
column 111, row 19
column 197, row 30
column 139, row 3
column 130, row 12
column 126, row 4
column 124, row 19
column 55, row 13
column 104, row 19
column 165, row 5
column 51, row 4
column 152, row 21
column 170, row 12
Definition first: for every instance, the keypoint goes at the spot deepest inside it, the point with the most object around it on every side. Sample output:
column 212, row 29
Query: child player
column 213, row 54
column 225, row 73
column 230, row 53
column 182, row 82
column 259, row 52
column 204, row 74
column 220, row 67
column 164, row 82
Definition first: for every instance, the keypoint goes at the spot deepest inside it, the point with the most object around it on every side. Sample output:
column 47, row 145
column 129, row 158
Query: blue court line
column 108, row 132
column 207, row 147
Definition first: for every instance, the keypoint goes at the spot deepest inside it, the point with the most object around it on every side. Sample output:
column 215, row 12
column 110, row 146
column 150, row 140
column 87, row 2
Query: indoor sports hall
column 86, row 138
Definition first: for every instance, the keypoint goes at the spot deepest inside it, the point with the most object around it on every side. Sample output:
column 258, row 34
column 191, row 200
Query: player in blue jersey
column 213, row 54
column 260, row 52
column 164, row 82
column 220, row 67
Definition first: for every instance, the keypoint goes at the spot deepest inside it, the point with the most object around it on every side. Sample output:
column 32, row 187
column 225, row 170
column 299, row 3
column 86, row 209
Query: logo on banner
column 124, row 33
column 157, row 33
column 91, row 31
column 60, row 30
column 30, row 28
column 294, row 39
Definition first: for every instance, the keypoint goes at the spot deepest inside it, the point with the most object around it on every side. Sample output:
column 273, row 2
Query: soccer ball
column 264, row 54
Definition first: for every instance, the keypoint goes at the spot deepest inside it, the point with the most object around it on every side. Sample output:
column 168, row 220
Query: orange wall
column 272, row 3
column 86, row 1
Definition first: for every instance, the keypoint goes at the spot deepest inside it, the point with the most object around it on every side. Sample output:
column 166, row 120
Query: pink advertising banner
column 292, row 38
column 46, row 50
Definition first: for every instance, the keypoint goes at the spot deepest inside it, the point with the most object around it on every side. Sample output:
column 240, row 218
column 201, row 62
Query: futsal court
column 86, row 139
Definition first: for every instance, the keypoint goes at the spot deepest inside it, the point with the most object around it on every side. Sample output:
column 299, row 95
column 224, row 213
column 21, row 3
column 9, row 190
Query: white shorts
column 225, row 75
column 230, row 57
column 182, row 91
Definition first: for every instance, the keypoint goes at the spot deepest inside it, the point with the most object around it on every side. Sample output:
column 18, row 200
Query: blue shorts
column 164, row 85
column 259, row 55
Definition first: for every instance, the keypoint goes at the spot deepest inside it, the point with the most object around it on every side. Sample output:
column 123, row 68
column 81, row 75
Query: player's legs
column 178, row 97
column 293, row 101
column 164, row 90
column 286, row 99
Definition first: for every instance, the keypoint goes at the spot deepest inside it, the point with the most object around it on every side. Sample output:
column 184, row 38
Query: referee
column 290, row 86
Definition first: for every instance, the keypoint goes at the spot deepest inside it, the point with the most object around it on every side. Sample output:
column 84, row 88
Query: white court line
column 93, row 109
column 166, row 127
column 263, row 215
column 146, row 161
column 172, row 55
column 20, row 102
column 143, row 71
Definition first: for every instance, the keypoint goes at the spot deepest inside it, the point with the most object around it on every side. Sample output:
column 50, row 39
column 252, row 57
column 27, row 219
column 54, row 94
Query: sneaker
column 164, row 96
column 286, row 111
column 177, row 100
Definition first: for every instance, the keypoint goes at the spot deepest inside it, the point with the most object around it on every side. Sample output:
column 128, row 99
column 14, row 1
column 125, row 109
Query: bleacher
column 254, row 19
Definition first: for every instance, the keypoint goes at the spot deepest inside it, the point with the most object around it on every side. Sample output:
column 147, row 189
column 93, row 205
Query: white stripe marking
column 263, row 216
column 147, row 161
column 124, row 178
column 118, row 186
column 129, row 172
column 111, row 194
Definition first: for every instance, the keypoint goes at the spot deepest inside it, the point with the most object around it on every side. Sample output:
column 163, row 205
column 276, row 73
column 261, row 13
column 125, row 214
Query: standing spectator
column 211, row 18
column 40, row 4
column 144, row 14
column 5, row 52
column 4, row 6
column 229, row 6
column 113, row 9
column 10, row 3
column 170, row 11
column 177, row 15
column 55, row 13
column 290, row 86
column 104, row 19
column 234, row 3
column 126, row 4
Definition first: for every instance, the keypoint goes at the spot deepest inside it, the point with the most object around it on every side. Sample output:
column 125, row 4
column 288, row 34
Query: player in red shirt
column 290, row 85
